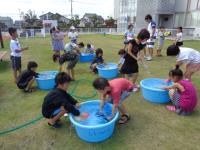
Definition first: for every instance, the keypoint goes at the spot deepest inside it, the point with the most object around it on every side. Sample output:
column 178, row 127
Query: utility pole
column 71, row 10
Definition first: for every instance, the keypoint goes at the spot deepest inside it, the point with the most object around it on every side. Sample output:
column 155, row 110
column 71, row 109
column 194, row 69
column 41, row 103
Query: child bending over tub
column 117, row 90
column 182, row 93
column 58, row 102
column 187, row 56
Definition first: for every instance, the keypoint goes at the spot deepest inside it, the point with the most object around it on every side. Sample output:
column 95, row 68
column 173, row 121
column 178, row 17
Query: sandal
column 28, row 91
column 55, row 125
column 171, row 108
column 124, row 119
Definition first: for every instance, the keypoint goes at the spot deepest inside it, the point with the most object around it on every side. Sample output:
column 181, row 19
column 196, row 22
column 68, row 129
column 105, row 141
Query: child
column 57, row 40
column 129, row 35
column 122, row 54
column 179, row 36
column 27, row 77
column 161, row 40
column 73, row 35
column 16, row 53
column 97, row 60
column 187, row 56
column 61, row 59
column 58, row 102
column 151, row 40
column 130, row 66
column 182, row 93
column 89, row 49
column 73, row 50
column 117, row 91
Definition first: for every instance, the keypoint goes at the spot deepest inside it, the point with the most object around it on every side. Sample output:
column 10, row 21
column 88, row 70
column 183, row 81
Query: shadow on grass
column 4, row 65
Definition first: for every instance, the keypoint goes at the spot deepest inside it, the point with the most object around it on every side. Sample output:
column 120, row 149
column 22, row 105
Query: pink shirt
column 188, row 98
column 117, row 87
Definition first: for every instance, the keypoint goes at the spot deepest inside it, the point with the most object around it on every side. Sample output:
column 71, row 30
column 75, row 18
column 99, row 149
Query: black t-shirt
column 57, row 98
column 136, row 48
column 66, row 57
column 25, row 75
column 98, row 60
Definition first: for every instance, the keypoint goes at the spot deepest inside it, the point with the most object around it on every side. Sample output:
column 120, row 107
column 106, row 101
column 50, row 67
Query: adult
column 57, row 39
column 73, row 35
column 151, row 40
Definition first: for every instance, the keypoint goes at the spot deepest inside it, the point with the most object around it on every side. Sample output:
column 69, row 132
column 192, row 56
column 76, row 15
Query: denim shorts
column 123, row 96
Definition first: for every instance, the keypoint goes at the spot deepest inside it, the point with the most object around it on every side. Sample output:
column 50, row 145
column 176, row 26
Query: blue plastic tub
column 84, row 57
column 46, row 80
column 109, row 70
column 151, row 90
column 94, row 129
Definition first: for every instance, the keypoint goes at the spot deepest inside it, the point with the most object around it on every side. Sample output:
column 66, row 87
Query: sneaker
column 145, row 57
column 55, row 125
column 136, row 89
column 149, row 58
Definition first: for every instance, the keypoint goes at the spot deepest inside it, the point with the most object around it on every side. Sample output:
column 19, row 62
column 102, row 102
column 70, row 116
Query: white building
column 167, row 13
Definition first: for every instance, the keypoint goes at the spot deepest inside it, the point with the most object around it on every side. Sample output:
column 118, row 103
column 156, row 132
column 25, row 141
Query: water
column 47, row 75
column 156, row 83
column 94, row 117
column 108, row 66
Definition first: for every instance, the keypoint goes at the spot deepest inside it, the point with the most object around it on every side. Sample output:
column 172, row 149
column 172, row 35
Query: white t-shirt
column 129, row 35
column 73, row 35
column 14, row 45
column 121, row 61
column 151, row 27
column 70, row 47
column 188, row 55
column 179, row 37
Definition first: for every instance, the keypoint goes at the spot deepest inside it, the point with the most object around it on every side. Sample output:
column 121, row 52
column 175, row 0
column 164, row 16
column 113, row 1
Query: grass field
column 152, row 127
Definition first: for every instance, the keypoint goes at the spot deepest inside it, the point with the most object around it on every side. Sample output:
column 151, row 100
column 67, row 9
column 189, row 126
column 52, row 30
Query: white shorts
column 150, row 43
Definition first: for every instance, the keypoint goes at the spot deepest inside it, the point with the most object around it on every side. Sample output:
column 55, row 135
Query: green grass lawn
column 152, row 127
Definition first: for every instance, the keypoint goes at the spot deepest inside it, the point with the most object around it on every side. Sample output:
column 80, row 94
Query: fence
column 188, row 34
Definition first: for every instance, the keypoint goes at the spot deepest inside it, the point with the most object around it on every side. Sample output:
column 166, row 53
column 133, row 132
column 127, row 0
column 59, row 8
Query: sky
column 13, row 7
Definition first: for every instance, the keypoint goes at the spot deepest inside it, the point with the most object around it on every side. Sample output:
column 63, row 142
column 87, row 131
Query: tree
column 94, row 20
column 30, row 17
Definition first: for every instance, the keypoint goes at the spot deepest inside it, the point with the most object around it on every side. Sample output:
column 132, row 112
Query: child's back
column 188, row 98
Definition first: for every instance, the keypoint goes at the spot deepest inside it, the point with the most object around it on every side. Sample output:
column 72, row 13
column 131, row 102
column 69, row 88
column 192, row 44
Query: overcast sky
column 101, row 7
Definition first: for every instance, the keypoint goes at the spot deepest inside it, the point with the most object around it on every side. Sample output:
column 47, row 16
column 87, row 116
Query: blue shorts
column 123, row 96
column 57, row 111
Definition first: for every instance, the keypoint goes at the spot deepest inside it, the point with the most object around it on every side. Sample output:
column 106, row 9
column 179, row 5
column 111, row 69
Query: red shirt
column 117, row 87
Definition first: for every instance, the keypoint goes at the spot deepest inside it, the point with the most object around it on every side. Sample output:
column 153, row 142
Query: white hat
column 72, row 28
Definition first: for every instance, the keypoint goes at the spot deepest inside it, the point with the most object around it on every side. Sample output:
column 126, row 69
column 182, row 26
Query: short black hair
column 100, row 83
column 162, row 27
column 180, row 28
column 55, row 57
column 98, row 51
column 81, row 44
column 32, row 64
column 12, row 31
column 62, row 78
column 88, row 45
column 177, row 72
column 130, row 25
column 121, row 52
column 173, row 50
column 148, row 17
column 143, row 34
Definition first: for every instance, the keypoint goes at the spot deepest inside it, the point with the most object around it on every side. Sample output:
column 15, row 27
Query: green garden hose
column 72, row 92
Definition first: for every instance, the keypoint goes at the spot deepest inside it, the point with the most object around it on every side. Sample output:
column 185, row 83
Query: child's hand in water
column 164, row 88
column 78, row 105
column 82, row 116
